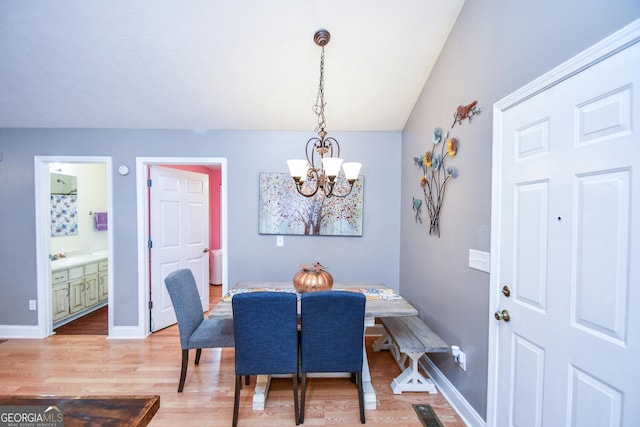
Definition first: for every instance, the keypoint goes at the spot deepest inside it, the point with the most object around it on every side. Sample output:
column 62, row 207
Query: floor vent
column 427, row 416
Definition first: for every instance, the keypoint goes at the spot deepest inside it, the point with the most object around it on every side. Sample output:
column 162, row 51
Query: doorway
column 86, row 243
column 144, row 252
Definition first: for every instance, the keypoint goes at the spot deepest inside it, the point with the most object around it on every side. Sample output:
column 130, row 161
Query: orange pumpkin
column 312, row 279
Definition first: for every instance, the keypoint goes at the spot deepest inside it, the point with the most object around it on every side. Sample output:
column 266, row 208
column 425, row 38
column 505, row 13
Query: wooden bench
column 408, row 339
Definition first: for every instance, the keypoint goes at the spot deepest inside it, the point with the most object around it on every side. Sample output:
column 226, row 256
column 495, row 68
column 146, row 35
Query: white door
column 179, row 232
column 568, row 248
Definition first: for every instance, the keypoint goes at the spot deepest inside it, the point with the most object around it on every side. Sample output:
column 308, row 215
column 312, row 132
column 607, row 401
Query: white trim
column 457, row 401
column 43, row 245
column 143, row 225
column 125, row 333
column 609, row 46
column 20, row 331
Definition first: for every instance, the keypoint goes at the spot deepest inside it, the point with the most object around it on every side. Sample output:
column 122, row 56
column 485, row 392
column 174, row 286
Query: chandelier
column 321, row 169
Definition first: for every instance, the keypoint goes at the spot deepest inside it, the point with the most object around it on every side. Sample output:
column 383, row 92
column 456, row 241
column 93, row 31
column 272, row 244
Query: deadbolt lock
column 506, row 291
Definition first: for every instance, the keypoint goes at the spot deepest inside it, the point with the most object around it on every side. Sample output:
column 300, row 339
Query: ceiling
column 211, row 64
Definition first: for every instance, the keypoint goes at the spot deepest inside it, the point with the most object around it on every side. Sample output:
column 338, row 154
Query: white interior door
column 179, row 232
column 569, row 251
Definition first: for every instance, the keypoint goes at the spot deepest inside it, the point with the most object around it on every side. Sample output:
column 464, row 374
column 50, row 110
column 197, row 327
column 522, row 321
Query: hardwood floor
column 94, row 365
column 94, row 323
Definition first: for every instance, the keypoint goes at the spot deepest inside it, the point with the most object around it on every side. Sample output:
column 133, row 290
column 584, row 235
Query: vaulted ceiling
column 211, row 64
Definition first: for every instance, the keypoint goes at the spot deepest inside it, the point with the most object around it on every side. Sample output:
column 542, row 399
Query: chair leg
column 183, row 371
column 247, row 379
column 236, row 399
column 296, row 410
column 302, row 398
column 360, row 396
column 198, row 353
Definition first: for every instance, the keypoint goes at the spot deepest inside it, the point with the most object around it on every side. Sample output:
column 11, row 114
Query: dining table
column 381, row 301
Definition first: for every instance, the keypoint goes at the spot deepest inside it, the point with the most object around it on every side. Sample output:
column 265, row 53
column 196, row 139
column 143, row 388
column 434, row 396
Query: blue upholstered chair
column 331, row 337
column 195, row 331
column 265, row 326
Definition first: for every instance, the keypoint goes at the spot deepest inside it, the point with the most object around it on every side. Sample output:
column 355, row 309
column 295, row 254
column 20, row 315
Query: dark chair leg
column 296, row 410
column 360, row 396
column 236, row 400
column 183, row 371
column 303, row 396
column 198, row 353
column 247, row 379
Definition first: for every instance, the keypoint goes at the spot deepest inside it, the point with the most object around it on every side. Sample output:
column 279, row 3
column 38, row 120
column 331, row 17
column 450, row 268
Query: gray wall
column 372, row 257
column 495, row 47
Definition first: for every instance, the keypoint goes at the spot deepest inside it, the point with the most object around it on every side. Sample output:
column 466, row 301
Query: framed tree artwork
column 282, row 210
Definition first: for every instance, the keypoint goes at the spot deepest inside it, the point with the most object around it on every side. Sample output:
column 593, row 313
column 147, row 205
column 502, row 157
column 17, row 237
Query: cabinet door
column 103, row 286
column 76, row 295
column 91, row 290
column 60, row 301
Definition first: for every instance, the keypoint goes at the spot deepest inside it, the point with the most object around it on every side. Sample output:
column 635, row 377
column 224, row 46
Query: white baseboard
column 127, row 333
column 19, row 331
column 469, row 416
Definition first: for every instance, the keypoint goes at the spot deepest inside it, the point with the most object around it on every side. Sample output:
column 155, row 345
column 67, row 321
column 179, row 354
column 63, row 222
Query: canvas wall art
column 283, row 211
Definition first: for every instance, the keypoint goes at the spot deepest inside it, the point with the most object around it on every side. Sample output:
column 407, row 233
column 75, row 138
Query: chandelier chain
column 318, row 108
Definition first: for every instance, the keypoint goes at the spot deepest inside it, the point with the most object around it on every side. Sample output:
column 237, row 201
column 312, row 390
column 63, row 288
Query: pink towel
column 101, row 221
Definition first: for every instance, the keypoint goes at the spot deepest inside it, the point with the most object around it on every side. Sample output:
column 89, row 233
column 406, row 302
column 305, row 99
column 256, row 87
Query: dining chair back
column 332, row 337
column 196, row 332
column 265, row 326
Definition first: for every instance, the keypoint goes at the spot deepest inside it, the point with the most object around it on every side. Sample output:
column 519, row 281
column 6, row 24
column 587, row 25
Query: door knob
column 506, row 291
column 205, row 250
column 502, row 315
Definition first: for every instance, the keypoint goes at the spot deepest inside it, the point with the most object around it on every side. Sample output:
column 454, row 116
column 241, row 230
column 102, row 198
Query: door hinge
column 150, row 305
column 149, row 244
column 149, row 183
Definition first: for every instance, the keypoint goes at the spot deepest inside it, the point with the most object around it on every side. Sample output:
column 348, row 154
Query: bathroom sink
column 67, row 262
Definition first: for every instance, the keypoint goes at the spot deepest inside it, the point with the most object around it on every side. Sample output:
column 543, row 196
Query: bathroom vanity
column 80, row 286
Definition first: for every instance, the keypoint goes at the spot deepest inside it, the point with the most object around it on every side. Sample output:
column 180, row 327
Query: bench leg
column 411, row 379
column 385, row 342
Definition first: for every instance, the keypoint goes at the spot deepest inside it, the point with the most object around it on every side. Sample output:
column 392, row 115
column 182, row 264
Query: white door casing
column 179, row 231
column 565, row 239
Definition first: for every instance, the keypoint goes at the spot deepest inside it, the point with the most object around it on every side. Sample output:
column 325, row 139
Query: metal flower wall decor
column 435, row 176
column 435, row 173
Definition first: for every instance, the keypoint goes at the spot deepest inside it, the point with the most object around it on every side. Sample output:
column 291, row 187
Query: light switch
column 279, row 240
column 479, row 260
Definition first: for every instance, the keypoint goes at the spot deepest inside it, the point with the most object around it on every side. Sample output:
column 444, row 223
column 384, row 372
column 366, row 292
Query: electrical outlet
column 32, row 304
column 279, row 240
column 462, row 360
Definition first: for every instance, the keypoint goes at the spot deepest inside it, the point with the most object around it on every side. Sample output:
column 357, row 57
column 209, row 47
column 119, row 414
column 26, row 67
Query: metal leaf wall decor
column 436, row 174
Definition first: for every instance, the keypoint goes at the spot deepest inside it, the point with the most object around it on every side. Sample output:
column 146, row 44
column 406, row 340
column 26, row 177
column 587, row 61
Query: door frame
column 144, row 275
column 616, row 42
column 43, row 228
